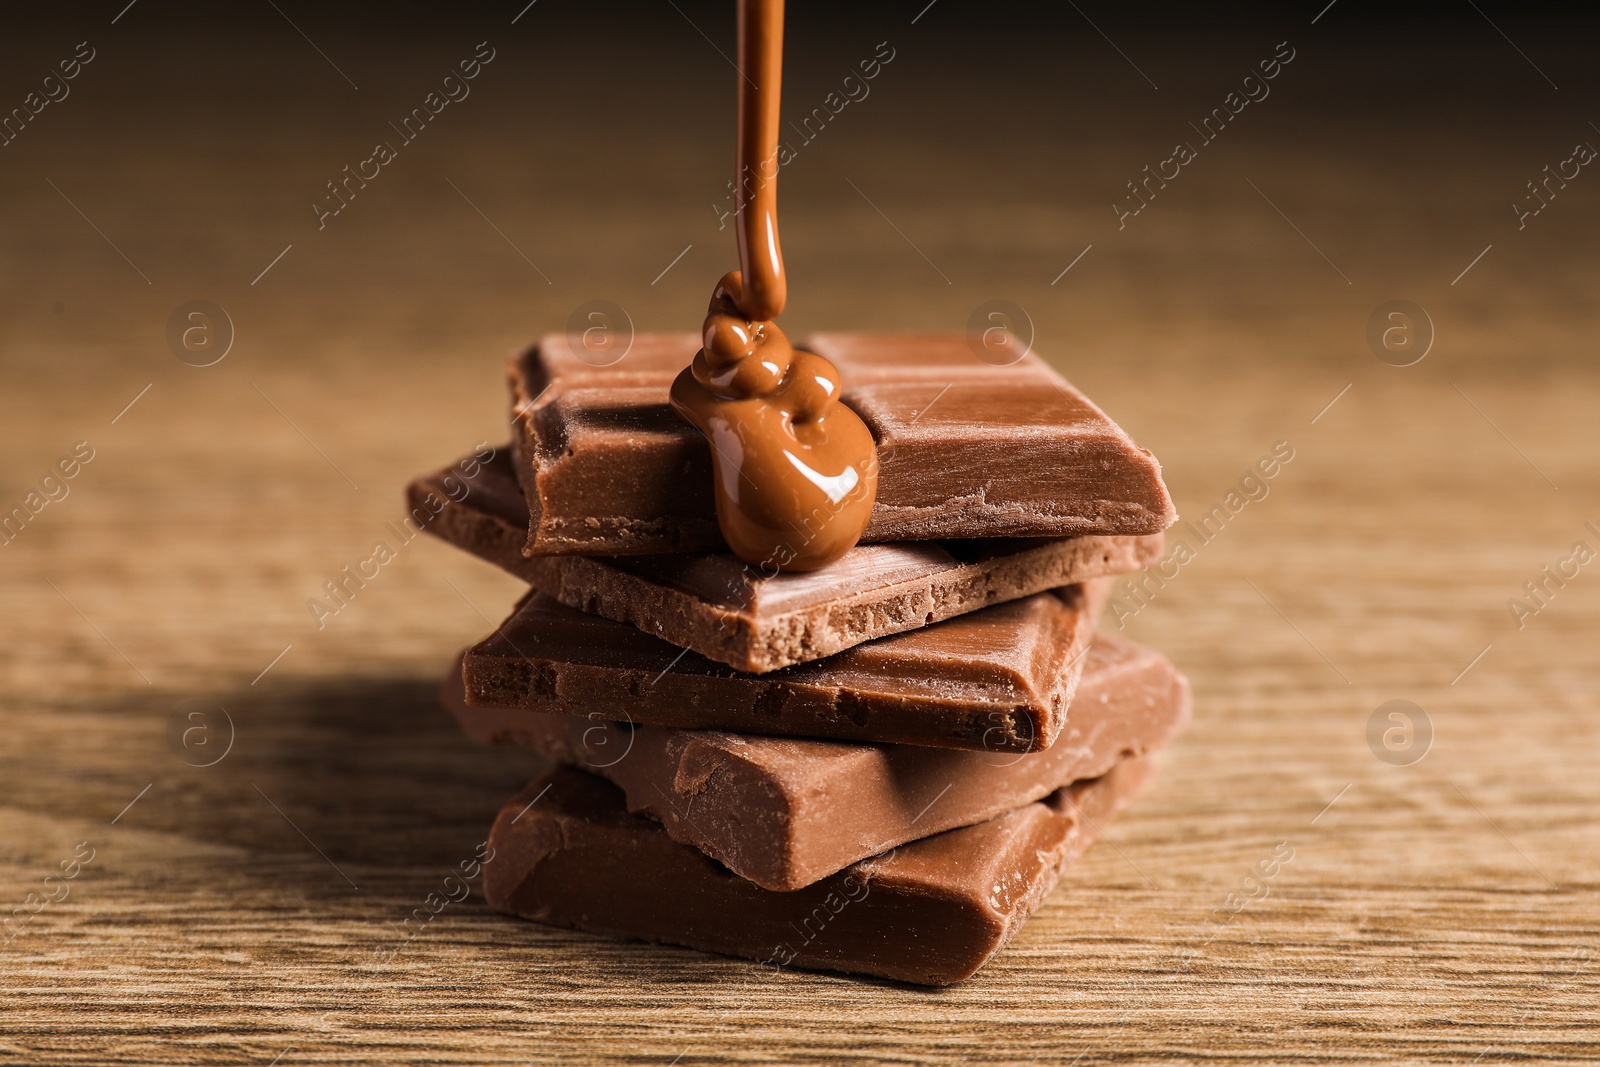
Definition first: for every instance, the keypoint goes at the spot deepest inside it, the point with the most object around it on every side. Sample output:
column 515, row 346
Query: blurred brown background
column 1442, row 909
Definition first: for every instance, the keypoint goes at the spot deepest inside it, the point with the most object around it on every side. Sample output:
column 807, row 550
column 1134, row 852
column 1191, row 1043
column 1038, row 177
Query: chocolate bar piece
column 965, row 448
column 729, row 612
column 565, row 851
column 998, row 679
column 784, row 813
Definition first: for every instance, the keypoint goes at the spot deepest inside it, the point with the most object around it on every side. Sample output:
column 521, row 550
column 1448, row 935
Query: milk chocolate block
column 965, row 448
column 998, row 679
column 566, row 852
column 784, row 813
column 732, row 613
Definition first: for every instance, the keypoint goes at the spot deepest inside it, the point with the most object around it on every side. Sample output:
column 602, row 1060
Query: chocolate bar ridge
column 1000, row 679
column 785, row 813
column 566, row 852
column 965, row 448
column 726, row 611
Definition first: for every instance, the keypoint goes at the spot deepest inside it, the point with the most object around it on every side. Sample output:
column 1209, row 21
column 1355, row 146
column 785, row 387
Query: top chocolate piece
column 965, row 448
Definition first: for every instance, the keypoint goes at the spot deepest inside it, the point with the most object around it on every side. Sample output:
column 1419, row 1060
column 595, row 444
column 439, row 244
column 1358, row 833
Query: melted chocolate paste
column 795, row 470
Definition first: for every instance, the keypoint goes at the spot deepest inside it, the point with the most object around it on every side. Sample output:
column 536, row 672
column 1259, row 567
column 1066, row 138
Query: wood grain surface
column 1440, row 910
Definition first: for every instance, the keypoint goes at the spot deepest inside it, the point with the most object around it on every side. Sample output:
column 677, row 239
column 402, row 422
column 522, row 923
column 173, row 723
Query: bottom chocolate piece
column 565, row 851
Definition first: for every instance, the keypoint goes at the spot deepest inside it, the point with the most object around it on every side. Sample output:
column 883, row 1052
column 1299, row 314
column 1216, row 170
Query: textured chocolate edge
column 802, row 701
column 816, row 632
column 524, row 446
column 895, row 916
column 602, row 588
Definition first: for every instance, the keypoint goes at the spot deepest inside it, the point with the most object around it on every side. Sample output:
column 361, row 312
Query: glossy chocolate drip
column 756, row 149
column 795, row 472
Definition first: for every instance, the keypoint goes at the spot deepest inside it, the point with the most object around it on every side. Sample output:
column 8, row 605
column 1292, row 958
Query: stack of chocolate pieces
column 879, row 767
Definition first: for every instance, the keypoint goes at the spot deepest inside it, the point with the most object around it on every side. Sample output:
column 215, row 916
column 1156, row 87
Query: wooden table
column 1441, row 910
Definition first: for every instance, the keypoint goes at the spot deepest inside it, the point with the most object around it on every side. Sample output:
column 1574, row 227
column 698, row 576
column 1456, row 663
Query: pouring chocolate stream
column 795, row 470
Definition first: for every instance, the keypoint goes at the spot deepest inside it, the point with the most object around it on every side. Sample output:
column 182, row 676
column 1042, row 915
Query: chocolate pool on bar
column 729, row 612
column 566, row 852
column 784, row 813
column 965, row 448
